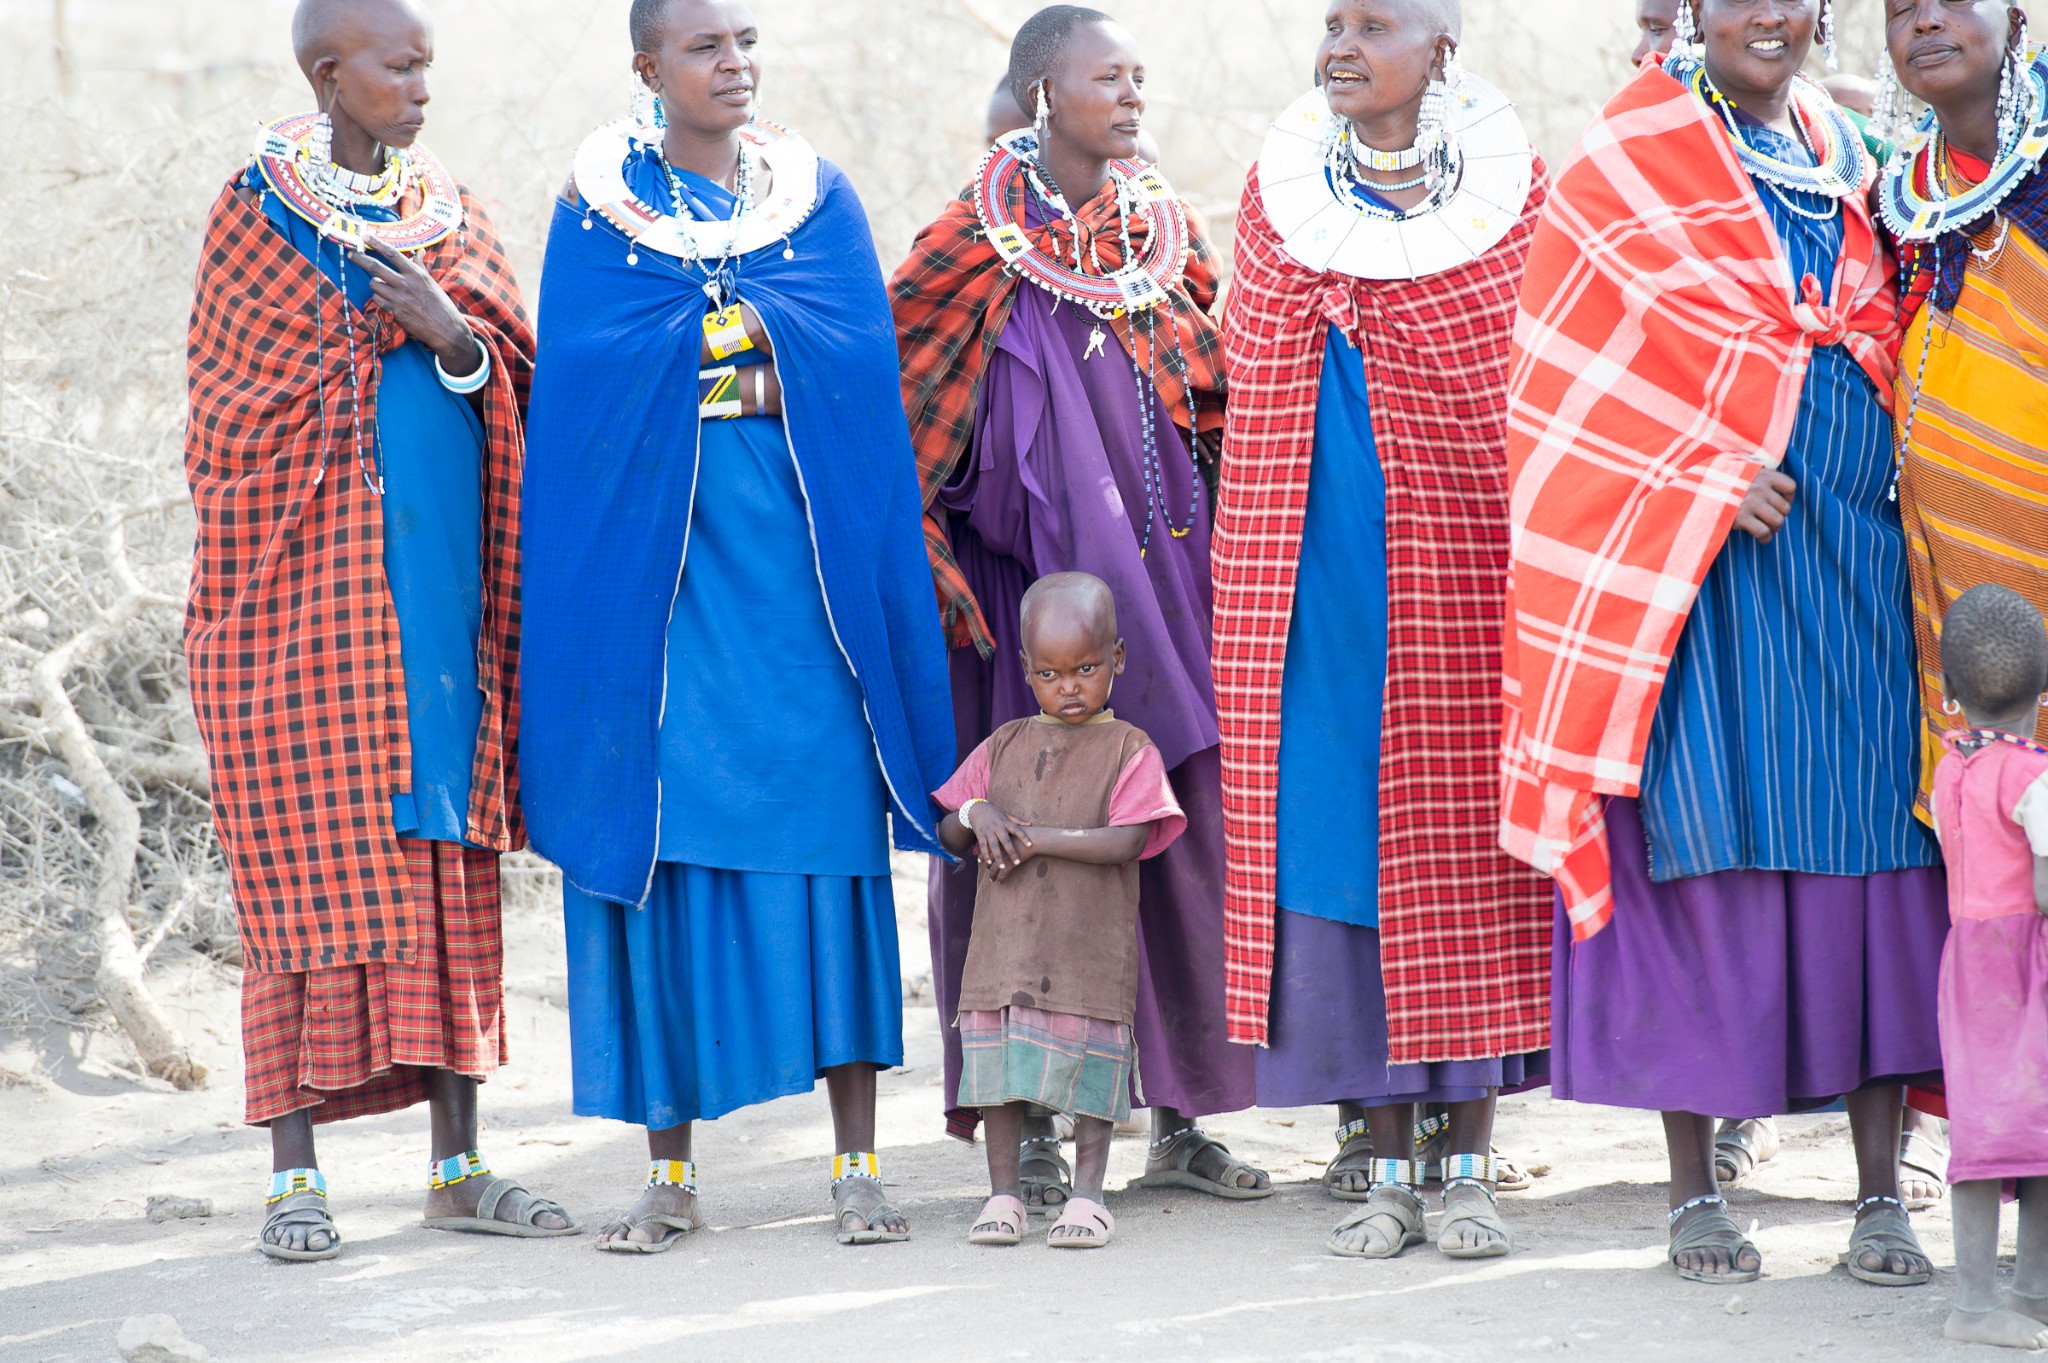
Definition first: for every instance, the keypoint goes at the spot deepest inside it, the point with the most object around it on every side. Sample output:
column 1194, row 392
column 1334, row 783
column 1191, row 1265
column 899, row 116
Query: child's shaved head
column 1994, row 651
column 1070, row 602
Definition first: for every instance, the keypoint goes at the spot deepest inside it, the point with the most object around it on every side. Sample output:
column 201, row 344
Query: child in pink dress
column 1061, row 808
column 1991, row 812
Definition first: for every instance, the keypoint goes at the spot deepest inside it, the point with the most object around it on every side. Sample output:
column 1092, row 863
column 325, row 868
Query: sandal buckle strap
column 453, row 1170
column 290, row 1182
column 672, row 1173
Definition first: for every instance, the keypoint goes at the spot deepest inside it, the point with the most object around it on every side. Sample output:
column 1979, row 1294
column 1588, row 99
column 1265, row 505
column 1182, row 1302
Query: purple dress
column 1055, row 481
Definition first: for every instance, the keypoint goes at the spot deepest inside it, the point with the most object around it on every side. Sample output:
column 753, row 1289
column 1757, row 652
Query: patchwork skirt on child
column 1057, row 1061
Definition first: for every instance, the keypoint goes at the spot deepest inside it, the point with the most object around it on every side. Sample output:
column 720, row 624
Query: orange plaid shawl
column 1464, row 929
column 290, row 636
column 1658, row 361
column 951, row 299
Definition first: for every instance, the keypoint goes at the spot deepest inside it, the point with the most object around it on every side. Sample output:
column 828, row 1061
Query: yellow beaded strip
column 856, row 1164
column 672, row 1173
column 453, row 1170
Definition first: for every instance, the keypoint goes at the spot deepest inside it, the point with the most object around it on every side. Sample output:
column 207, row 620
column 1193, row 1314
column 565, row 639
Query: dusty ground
column 1189, row 1276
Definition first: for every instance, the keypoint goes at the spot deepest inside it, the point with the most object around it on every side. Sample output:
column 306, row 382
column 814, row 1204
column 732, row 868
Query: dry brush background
column 119, row 121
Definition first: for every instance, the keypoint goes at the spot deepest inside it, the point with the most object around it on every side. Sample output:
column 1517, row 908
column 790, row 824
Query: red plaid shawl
column 1464, row 931
column 290, row 636
column 1659, row 358
column 951, row 299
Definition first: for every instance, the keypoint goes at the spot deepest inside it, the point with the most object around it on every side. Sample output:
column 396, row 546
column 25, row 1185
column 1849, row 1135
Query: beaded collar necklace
column 1912, row 197
column 1979, row 739
column 324, row 194
column 1139, row 290
column 1840, row 160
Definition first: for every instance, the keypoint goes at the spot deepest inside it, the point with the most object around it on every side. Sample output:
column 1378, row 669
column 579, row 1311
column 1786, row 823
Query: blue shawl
column 610, row 473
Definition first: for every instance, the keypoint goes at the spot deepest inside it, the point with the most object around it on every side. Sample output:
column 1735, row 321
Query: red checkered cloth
column 1464, row 930
column 1659, row 357
column 951, row 298
column 355, row 1040
column 290, row 635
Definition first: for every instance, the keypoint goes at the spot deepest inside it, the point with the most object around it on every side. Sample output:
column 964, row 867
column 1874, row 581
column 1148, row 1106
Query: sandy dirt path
column 1188, row 1276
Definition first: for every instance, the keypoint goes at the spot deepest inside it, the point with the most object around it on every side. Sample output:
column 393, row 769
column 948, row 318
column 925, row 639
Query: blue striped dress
column 1786, row 736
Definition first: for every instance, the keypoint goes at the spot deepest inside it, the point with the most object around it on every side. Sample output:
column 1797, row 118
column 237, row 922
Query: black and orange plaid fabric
column 951, row 299
column 290, row 636
column 356, row 1040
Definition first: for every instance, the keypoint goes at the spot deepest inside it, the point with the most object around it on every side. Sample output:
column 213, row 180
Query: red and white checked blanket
column 1658, row 362
column 1464, row 930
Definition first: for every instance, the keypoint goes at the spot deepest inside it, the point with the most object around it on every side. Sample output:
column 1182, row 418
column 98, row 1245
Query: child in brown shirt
column 1061, row 808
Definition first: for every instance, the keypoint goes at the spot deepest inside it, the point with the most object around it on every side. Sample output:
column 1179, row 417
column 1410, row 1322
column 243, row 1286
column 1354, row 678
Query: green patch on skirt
column 1076, row 1065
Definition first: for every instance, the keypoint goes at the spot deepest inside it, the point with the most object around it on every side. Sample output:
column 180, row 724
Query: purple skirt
column 1328, row 1034
column 1747, row 993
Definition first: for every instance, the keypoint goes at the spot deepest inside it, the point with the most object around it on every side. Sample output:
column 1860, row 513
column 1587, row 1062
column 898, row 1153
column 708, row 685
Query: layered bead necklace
column 1839, row 163
column 1138, row 291
column 718, row 286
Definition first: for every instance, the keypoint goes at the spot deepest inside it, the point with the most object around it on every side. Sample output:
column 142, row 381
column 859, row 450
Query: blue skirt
column 730, row 988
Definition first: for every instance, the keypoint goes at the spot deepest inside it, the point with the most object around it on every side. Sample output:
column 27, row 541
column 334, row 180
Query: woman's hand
column 1768, row 502
column 1001, row 842
column 416, row 300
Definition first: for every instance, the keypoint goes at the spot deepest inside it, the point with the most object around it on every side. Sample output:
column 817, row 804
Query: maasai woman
column 1361, row 538
column 737, row 679
column 1709, row 737
column 1056, row 357
column 1969, row 212
column 359, row 362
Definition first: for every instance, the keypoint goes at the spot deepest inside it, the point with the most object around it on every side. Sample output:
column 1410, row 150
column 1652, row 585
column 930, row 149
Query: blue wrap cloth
column 610, row 481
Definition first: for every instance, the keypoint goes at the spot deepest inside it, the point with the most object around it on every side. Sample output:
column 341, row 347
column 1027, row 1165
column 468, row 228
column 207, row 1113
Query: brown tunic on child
column 1058, row 935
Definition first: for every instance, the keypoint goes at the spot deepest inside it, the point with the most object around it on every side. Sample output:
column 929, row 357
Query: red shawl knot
column 1464, row 930
column 1659, row 358
column 291, row 640
column 951, row 299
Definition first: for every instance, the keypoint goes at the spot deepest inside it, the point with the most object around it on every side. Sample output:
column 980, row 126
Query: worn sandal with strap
column 1741, row 1147
column 526, row 1209
column 1480, row 1172
column 1003, row 1221
column 1712, row 1230
column 1887, row 1231
column 661, row 1173
column 1187, row 1145
column 1086, row 1224
column 298, row 1197
column 1350, row 1136
column 865, row 1168
column 1044, row 1196
column 1392, row 1214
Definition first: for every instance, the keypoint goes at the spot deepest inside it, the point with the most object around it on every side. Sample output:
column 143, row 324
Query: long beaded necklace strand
column 373, row 478
column 743, row 199
column 1144, row 376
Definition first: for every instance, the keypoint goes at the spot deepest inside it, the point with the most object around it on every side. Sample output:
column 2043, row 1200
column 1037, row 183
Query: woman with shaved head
column 1750, row 918
column 735, row 681
column 1060, row 373
column 359, row 364
column 1382, row 949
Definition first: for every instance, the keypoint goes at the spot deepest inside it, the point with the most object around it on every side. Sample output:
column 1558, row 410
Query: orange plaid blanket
column 1658, row 360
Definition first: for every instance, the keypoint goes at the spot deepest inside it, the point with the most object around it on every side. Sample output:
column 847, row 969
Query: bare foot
column 638, row 1224
column 2022, row 1304
column 2007, row 1329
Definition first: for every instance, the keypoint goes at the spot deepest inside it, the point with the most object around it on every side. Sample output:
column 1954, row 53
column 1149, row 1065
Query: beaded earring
column 1041, row 115
column 1433, row 135
column 643, row 104
column 2015, row 91
column 1685, row 33
column 660, row 113
column 1828, row 45
column 1886, row 114
column 320, row 147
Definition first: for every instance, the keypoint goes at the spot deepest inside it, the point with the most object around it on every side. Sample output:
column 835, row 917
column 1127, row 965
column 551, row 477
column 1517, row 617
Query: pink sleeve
column 968, row 783
column 1144, row 795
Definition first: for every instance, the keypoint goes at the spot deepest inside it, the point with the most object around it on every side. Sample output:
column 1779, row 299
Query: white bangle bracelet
column 468, row 383
column 961, row 813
